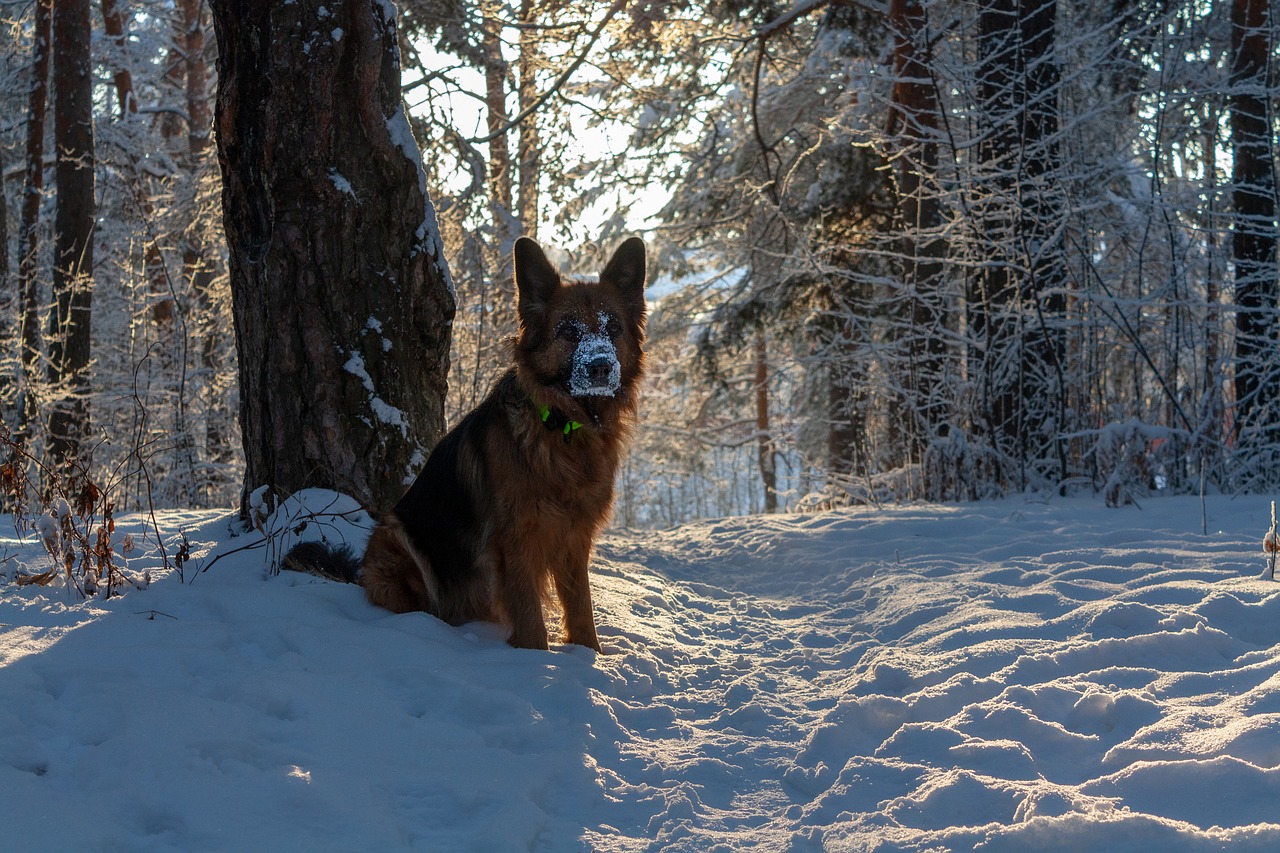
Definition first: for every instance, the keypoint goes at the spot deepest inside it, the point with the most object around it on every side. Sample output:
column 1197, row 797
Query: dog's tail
column 336, row 562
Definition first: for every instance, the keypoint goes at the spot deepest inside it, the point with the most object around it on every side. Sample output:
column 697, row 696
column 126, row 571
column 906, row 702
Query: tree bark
column 765, row 454
column 528, row 149
column 162, row 307
column 916, row 120
column 69, row 338
column 497, row 303
column 1254, row 234
column 340, row 290
column 4, row 236
column 1016, row 301
column 199, row 120
column 495, row 102
column 113, row 26
column 198, row 267
column 29, row 216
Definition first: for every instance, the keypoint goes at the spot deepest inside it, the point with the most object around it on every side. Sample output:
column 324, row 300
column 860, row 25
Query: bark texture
column 341, row 294
column 73, row 221
column 29, row 224
column 1016, row 298
column 915, row 119
column 1254, row 236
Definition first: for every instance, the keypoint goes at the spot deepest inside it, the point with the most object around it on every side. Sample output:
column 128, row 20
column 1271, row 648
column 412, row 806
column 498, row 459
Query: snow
column 373, row 324
column 340, row 183
column 595, row 347
column 1009, row 676
column 382, row 410
column 428, row 231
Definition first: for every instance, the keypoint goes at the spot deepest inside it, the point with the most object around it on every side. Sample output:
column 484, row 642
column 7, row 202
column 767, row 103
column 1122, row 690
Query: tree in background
column 1045, row 312
column 988, row 247
column 1017, row 297
column 496, row 84
column 69, row 329
column 156, row 405
column 1254, row 235
column 915, row 126
column 29, row 222
column 341, row 292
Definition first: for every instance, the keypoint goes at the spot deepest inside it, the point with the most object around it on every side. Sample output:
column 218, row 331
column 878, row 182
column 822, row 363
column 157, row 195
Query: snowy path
column 1002, row 676
column 943, row 675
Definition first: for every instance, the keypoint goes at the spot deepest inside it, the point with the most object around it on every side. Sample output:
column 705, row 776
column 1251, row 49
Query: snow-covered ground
column 1014, row 675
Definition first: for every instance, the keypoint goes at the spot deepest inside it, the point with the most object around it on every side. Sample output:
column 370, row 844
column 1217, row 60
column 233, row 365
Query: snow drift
column 1000, row 676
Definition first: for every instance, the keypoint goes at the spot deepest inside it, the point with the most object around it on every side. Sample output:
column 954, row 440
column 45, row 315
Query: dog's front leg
column 522, row 598
column 574, row 589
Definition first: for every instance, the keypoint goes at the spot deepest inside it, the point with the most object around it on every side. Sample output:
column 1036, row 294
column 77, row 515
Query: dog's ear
column 626, row 271
column 536, row 278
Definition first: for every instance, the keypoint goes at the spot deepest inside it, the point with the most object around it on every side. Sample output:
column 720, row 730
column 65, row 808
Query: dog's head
column 581, row 342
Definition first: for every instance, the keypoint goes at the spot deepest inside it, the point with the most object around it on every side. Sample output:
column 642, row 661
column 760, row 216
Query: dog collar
column 554, row 419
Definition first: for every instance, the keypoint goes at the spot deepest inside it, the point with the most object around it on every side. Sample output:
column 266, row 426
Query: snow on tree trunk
column 341, row 293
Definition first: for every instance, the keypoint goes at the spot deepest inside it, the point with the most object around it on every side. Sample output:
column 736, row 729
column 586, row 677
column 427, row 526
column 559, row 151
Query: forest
column 901, row 249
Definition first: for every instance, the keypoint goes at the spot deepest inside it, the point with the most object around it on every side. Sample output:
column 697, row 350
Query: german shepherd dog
column 512, row 498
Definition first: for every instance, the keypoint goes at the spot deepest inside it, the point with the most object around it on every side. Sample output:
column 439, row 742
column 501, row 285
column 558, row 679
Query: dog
column 509, row 503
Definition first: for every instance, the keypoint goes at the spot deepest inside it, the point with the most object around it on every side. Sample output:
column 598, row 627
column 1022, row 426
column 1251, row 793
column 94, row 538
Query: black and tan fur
column 509, row 503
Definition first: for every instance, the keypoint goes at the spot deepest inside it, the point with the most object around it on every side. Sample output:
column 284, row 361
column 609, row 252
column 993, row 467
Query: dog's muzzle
column 596, row 371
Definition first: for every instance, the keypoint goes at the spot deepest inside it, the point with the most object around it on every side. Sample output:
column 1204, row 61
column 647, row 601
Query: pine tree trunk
column 29, row 216
column 197, row 265
column 113, row 26
column 340, row 290
column 6, row 295
column 916, row 111
column 162, row 308
column 1016, row 303
column 495, row 103
column 846, row 455
column 199, row 120
column 1254, row 235
column 765, row 455
column 69, row 338
column 498, row 317
column 1212, row 404
column 528, row 149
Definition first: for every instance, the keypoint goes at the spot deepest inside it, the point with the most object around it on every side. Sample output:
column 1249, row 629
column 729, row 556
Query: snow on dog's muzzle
column 596, row 372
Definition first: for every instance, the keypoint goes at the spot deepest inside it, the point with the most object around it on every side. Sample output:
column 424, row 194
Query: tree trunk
column 29, row 217
column 7, row 302
column 1254, row 235
column 340, row 290
column 1212, row 405
column 764, row 439
column 199, row 120
column 6, row 295
column 162, row 308
column 495, row 103
column 497, row 300
column 197, row 266
column 528, row 149
column 1017, row 301
column 113, row 26
column 73, row 229
column 846, row 455
column 916, row 111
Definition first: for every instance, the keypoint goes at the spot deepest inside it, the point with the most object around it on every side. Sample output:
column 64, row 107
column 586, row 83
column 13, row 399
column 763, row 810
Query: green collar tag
column 557, row 421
